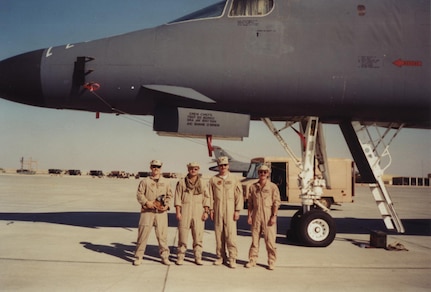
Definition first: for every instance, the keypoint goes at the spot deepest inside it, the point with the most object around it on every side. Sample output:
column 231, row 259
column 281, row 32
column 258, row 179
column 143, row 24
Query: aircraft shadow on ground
column 421, row 227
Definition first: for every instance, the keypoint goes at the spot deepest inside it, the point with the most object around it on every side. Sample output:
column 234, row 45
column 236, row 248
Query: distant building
column 411, row 181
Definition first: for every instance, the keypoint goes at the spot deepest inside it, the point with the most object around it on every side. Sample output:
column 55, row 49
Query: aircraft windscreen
column 214, row 10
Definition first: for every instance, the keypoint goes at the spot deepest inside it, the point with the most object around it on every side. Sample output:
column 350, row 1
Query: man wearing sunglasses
column 192, row 203
column 226, row 202
column 152, row 188
column 263, row 204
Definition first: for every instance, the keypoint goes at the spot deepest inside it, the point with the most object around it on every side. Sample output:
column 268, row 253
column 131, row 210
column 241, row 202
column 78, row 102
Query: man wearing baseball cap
column 154, row 194
column 192, row 203
column 226, row 202
column 263, row 204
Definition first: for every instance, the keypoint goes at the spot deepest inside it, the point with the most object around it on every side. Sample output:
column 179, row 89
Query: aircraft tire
column 316, row 228
column 292, row 232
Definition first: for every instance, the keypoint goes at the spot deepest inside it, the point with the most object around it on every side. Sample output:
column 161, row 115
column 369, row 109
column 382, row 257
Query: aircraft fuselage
column 333, row 59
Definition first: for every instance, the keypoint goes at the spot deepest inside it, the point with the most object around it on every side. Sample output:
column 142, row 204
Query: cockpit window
column 214, row 10
column 251, row 7
column 252, row 170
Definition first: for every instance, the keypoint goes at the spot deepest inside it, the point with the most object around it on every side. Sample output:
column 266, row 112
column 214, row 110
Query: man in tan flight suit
column 192, row 203
column 149, row 189
column 263, row 203
column 226, row 202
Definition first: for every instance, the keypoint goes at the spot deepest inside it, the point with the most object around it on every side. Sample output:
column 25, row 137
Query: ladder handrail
column 380, row 193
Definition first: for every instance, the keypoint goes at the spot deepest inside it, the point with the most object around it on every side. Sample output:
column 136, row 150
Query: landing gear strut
column 311, row 225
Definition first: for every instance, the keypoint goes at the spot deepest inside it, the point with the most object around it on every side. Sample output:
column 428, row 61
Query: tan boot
column 198, row 261
column 218, row 262
column 137, row 262
column 271, row 265
column 166, row 261
column 251, row 264
column 180, row 260
column 232, row 263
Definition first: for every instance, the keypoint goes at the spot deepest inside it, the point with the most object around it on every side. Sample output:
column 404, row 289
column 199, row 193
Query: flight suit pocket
column 267, row 198
column 186, row 198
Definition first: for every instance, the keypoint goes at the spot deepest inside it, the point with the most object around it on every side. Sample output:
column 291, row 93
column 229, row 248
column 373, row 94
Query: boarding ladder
column 374, row 151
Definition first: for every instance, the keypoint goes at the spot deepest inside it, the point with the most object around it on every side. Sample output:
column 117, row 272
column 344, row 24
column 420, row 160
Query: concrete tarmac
column 79, row 233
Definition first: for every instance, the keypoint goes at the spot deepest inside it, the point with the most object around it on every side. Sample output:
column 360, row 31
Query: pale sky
column 77, row 140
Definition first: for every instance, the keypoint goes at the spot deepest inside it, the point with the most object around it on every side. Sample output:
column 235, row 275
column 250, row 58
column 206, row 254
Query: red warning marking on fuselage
column 400, row 63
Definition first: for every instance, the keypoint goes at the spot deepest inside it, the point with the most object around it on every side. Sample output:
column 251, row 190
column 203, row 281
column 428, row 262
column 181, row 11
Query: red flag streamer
column 209, row 145
column 302, row 137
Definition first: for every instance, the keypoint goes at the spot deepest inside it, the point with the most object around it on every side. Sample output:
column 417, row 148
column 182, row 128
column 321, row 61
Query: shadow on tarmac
column 421, row 227
column 126, row 252
column 119, row 250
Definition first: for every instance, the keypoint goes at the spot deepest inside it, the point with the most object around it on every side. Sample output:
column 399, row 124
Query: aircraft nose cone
column 20, row 78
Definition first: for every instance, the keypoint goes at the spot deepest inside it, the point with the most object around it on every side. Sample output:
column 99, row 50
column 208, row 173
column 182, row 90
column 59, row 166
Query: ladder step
column 367, row 160
column 388, row 223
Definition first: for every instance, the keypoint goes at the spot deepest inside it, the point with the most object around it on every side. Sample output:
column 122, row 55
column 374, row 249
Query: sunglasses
column 221, row 165
column 155, row 166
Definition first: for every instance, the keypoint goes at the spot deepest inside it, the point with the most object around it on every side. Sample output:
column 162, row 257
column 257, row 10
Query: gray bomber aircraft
column 364, row 65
